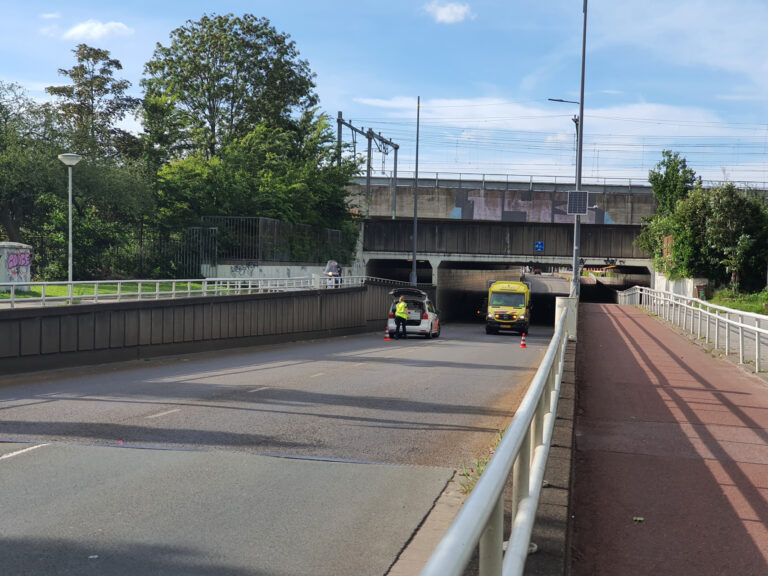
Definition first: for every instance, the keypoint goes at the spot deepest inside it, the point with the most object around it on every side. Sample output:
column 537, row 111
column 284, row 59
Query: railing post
column 757, row 345
column 741, row 339
column 521, row 474
column 706, row 332
column 717, row 329
column 492, row 541
column 698, row 325
column 727, row 333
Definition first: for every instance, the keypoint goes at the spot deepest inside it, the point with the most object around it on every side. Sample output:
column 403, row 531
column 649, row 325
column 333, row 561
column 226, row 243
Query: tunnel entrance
column 462, row 287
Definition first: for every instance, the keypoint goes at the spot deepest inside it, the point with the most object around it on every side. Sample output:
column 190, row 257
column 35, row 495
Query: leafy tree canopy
column 227, row 75
column 94, row 103
column 671, row 181
column 719, row 233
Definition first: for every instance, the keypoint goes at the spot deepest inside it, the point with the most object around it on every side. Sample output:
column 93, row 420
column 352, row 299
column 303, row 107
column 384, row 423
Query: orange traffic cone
column 386, row 334
column 522, row 342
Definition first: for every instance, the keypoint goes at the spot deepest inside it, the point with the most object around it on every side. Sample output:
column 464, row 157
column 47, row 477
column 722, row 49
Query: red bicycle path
column 671, row 460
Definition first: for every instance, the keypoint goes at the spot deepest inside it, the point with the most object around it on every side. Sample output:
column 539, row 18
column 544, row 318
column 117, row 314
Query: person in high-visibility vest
column 401, row 317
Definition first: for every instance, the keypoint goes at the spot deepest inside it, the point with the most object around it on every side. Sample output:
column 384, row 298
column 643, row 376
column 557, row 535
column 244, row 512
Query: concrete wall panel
column 30, row 336
column 131, row 328
column 68, row 333
column 9, row 338
column 50, row 335
column 85, row 333
column 117, row 329
column 145, row 327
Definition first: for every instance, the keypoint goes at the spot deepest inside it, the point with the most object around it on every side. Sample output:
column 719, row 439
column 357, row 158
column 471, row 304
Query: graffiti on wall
column 17, row 266
column 520, row 206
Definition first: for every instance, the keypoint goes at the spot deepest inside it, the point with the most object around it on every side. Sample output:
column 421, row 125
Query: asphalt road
column 313, row 458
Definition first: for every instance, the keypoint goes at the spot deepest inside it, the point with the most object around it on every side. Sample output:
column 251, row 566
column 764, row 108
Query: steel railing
column 15, row 294
column 523, row 452
column 712, row 323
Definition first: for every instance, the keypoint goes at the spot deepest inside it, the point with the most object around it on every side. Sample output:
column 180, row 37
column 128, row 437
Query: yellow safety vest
column 401, row 310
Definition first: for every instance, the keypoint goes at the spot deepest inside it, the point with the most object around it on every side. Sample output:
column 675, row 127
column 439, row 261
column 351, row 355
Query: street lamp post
column 579, row 148
column 579, row 121
column 70, row 160
column 414, row 272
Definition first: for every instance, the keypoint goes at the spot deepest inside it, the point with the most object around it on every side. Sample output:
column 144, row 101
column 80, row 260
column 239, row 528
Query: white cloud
column 450, row 13
column 95, row 30
column 722, row 36
column 50, row 16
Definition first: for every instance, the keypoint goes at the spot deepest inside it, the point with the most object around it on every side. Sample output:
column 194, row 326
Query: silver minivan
column 423, row 317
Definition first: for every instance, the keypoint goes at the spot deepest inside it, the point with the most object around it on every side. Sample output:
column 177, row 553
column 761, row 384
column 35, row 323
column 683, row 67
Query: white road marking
column 11, row 454
column 318, row 374
column 163, row 413
column 259, row 389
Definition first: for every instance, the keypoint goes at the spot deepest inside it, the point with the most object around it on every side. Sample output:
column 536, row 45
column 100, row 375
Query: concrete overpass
column 388, row 245
column 460, row 257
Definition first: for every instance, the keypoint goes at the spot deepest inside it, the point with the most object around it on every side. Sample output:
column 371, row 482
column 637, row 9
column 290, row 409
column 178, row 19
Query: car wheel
column 428, row 335
column 437, row 334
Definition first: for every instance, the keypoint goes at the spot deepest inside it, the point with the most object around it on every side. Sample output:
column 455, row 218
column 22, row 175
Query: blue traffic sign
column 538, row 246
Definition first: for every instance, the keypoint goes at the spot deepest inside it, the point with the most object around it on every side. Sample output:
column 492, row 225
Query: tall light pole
column 579, row 146
column 579, row 121
column 70, row 160
column 414, row 274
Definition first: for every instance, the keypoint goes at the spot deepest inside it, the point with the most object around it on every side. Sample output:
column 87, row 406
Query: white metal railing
column 15, row 294
column 523, row 451
column 712, row 323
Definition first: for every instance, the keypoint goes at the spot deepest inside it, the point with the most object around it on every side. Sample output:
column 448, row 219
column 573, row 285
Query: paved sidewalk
column 671, row 463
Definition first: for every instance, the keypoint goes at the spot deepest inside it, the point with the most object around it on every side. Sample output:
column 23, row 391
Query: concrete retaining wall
column 46, row 338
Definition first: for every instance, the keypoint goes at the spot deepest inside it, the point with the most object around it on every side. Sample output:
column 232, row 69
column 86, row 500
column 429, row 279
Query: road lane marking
column 259, row 389
column 318, row 374
column 159, row 414
column 11, row 454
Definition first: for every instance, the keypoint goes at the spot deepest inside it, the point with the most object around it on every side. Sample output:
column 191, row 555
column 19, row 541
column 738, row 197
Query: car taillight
column 391, row 315
column 424, row 316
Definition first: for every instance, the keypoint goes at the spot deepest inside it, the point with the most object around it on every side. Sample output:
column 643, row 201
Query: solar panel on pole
column 577, row 202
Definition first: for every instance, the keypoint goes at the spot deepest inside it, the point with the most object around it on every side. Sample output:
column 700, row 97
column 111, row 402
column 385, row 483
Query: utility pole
column 371, row 136
column 414, row 275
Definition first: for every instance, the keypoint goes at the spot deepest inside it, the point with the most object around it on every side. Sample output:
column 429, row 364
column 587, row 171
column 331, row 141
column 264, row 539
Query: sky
column 689, row 76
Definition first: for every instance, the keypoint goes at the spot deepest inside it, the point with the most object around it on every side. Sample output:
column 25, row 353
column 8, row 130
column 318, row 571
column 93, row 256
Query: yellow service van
column 509, row 307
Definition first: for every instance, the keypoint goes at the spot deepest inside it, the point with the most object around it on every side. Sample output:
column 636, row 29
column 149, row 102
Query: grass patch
column 470, row 474
column 756, row 303
column 102, row 289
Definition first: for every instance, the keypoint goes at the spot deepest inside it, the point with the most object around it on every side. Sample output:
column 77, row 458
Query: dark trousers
column 400, row 321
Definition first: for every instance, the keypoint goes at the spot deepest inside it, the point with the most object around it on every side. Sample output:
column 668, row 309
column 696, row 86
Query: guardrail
column 90, row 292
column 523, row 451
column 702, row 318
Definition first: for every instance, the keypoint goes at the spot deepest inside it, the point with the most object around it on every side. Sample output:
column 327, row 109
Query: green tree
column 227, row 75
column 28, row 150
column 737, row 231
column 94, row 103
column 671, row 181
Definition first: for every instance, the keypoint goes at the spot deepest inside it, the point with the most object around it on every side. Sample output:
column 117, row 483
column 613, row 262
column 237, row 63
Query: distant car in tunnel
column 423, row 317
